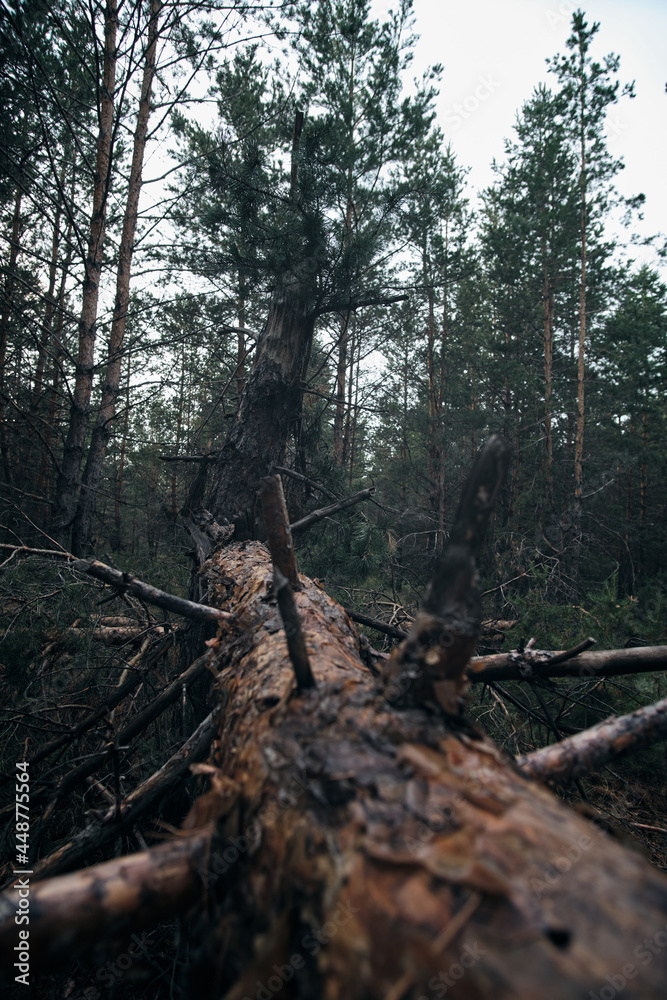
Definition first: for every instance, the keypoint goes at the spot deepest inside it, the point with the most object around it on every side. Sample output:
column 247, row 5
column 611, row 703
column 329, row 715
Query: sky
column 493, row 53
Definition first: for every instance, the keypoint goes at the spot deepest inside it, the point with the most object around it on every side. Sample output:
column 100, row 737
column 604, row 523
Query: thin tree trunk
column 433, row 410
column 350, row 385
column 68, row 486
column 581, row 354
column 82, row 526
column 354, row 409
column 341, row 383
column 177, row 443
column 118, row 488
column 547, row 319
column 5, row 320
column 404, row 431
column 240, row 339
column 441, row 391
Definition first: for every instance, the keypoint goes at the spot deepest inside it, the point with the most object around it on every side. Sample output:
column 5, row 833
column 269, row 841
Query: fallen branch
column 125, row 582
column 97, row 907
column 28, row 551
column 516, row 666
column 114, row 699
column 379, row 626
column 589, row 750
column 120, row 818
column 137, row 725
column 319, row 515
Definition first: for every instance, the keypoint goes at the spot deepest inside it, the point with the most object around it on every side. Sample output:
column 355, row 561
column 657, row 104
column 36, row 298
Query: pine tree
column 588, row 89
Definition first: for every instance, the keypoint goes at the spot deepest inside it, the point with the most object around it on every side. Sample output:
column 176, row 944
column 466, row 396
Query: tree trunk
column 82, row 525
column 67, row 490
column 341, row 381
column 547, row 319
column 268, row 412
column 581, row 352
column 5, row 320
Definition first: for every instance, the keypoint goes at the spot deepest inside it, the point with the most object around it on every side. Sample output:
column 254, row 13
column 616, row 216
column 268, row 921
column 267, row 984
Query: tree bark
column 268, row 411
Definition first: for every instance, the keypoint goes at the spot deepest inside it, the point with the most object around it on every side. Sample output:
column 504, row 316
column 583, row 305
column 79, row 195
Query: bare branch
column 589, row 750
column 515, row 666
column 319, row 515
column 121, row 817
column 125, row 582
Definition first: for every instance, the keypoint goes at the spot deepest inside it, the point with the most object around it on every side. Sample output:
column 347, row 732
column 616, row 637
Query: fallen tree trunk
column 366, row 851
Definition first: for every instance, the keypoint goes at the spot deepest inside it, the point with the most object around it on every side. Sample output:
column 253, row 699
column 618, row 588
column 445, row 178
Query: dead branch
column 28, row 551
column 209, row 457
column 319, row 515
column 379, row 626
column 430, row 664
column 122, row 816
column 296, row 644
column 589, row 750
column 303, row 479
column 126, row 582
column 96, row 908
column 136, row 725
column 279, row 536
column 516, row 666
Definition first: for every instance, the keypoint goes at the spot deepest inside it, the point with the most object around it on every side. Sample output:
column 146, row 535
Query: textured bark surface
column 268, row 411
column 386, row 847
column 349, row 848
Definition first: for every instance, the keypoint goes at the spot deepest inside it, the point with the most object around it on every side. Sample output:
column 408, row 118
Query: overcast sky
column 494, row 51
